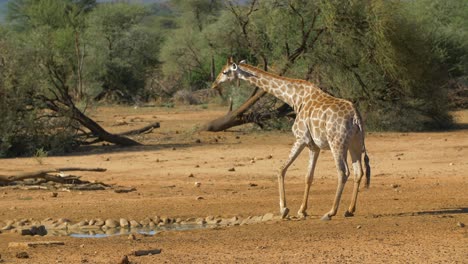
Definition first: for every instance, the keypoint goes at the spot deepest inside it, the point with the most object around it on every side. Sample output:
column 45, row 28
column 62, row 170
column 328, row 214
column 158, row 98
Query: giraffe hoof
column 348, row 214
column 326, row 217
column 302, row 214
column 284, row 212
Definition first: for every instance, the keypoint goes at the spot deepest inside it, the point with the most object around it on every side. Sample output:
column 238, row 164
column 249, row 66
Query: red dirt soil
column 412, row 213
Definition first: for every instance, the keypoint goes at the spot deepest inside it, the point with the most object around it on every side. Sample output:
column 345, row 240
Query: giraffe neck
column 290, row 91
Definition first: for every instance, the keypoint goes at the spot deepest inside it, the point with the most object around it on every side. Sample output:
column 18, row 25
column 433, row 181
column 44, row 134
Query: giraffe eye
column 225, row 72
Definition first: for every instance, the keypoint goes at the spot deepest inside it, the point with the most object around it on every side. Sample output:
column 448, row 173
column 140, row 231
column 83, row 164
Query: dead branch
column 140, row 130
column 45, row 174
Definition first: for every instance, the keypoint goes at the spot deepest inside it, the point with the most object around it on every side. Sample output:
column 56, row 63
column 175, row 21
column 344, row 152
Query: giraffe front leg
column 313, row 156
column 295, row 151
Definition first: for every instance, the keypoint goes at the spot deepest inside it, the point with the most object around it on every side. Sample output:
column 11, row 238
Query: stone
column 63, row 220
column 99, row 222
column 231, row 169
column 358, row 227
column 200, row 221
column 460, row 224
column 197, row 184
column 200, row 198
column 145, row 222
column 82, row 223
column 134, row 224
column 111, row 223
column 22, row 255
column 267, row 217
column 131, row 237
column 156, row 219
column 123, row 223
column 38, row 230
column 53, row 194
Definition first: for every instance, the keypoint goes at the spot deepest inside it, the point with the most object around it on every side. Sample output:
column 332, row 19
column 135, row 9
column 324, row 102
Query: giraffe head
column 227, row 74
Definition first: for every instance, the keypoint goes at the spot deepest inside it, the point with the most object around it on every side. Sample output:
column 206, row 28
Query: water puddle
column 124, row 231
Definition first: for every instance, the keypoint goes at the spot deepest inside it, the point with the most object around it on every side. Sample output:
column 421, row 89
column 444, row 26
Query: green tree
column 125, row 51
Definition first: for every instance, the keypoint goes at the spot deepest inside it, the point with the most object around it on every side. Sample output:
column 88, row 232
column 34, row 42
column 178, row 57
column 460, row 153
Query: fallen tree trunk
column 45, row 174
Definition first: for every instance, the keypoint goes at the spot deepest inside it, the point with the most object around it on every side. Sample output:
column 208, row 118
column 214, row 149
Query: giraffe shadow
column 442, row 212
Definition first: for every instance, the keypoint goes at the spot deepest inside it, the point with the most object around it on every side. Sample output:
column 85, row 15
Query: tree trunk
column 100, row 132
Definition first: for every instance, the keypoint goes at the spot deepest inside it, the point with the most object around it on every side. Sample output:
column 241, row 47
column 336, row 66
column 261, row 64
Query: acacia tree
column 366, row 52
column 46, row 39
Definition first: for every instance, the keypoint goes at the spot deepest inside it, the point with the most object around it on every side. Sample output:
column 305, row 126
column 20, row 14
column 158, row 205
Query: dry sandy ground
column 411, row 213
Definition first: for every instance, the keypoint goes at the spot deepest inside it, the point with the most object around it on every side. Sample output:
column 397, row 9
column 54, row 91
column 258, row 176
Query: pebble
column 111, row 223
column 131, row 237
column 270, row 156
column 460, row 224
column 394, row 185
column 123, row 223
column 83, row 223
column 267, row 217
column 99, row 222
column 231, row 169
column 358, row 227
column 22, row 255
column 134, row 224
column 53, row 194
column 197, row 184
column 200, row 198
column 156, row 219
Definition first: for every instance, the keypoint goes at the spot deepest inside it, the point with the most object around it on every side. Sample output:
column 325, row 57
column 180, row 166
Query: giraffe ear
column 234, row 67
column 230, row 60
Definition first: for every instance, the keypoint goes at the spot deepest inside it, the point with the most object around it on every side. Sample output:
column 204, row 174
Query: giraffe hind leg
column 343, row 174
column 356, row 153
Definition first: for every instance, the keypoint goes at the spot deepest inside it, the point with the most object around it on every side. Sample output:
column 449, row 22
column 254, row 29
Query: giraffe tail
column 358, row 122
column 368, row 169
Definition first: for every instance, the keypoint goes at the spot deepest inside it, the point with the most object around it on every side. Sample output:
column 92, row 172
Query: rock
column 156, row 219
column 451, row 164
column 131, row 237
column 200, row 221
column 123, row 223
column 7, row 227
column 82, row 223
column 197, row 141
column 460, row 224
column 111, row 223
column 145, row 222
column 165, row 220
column 22, row 255
column 358, row 227
column 197, row 184
column 134, row 224
column 178, row 220
column 63, row 220
column 99, row 222
column 191, row 175
column 124, row 260
column 269, row 156
column 394, row 185
column 253, row 184
column 39, row 230
column 91, row 222
column 200, row 198
column 53, row 194
column 267, row 217
column 231, row 169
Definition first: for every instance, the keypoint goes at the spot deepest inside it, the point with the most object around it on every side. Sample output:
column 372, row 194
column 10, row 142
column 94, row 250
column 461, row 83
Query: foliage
column 401, row 62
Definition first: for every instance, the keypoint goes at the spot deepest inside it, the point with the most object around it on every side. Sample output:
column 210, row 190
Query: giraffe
column 322, row 122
